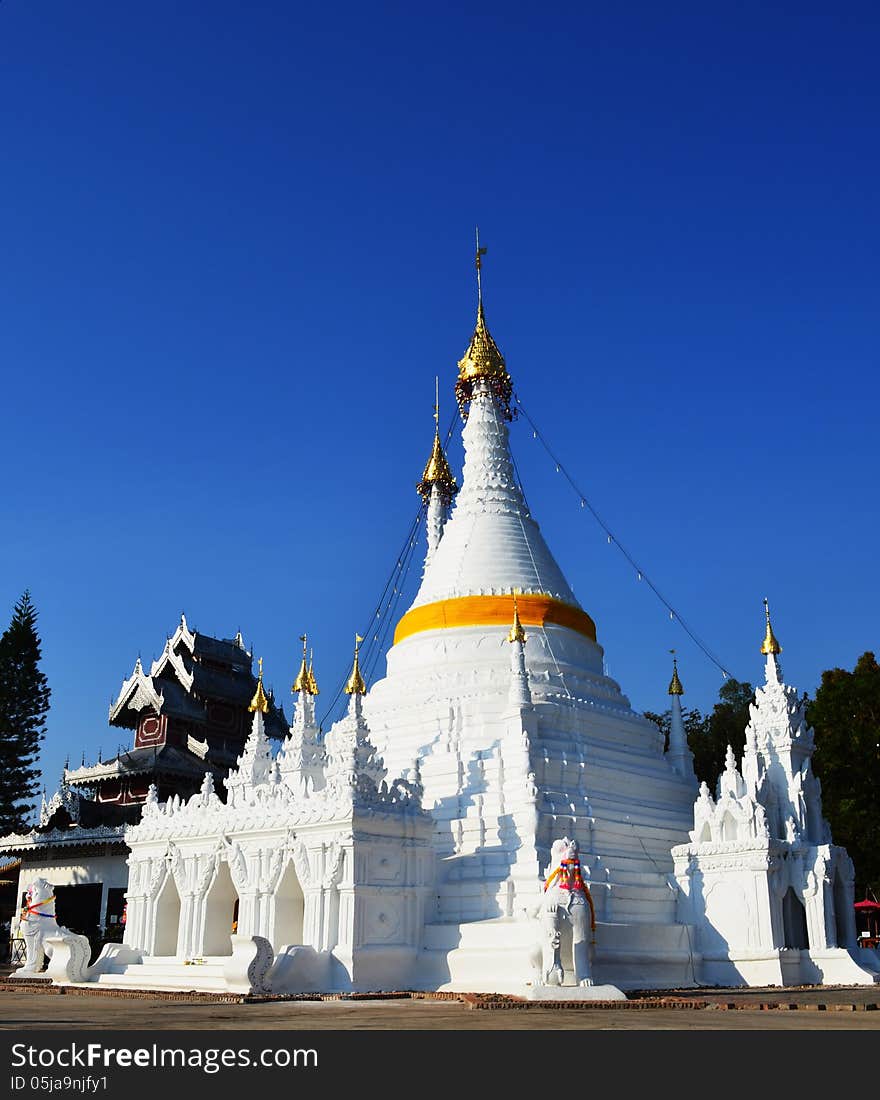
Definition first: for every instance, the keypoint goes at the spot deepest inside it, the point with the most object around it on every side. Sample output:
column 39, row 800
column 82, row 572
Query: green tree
column 726, row 725
column 24, row 703
column 694, row 723
column 845, row 715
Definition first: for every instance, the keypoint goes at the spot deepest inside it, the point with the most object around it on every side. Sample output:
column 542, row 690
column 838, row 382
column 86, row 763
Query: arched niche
column 220, row 912
column 794, row 921
column 167, row 918
column 289, row 910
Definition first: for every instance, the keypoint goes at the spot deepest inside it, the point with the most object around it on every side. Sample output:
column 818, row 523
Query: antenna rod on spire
column 480, row 253
column 437, row 402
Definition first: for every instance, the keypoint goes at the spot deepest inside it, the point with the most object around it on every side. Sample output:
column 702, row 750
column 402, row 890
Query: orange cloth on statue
column 570, row 878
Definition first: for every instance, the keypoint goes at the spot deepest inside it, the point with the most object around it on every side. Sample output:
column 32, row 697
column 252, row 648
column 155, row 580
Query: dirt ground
column 849, row 1008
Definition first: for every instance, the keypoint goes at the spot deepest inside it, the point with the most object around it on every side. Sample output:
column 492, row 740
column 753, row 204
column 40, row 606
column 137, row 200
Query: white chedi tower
column 678, row 753
column 520, row 744
column 770, row 895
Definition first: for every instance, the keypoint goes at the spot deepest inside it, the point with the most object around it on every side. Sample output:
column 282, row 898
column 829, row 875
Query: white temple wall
column 590, row 759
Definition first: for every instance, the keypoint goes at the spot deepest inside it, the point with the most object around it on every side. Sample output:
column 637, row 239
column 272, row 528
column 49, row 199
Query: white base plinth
column 574, row 993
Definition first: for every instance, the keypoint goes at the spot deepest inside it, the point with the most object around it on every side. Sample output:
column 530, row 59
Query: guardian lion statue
column 68, row 953
column 567, row 901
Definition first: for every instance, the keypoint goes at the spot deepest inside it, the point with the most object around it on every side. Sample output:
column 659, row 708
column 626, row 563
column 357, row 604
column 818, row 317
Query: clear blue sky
column 237, row 247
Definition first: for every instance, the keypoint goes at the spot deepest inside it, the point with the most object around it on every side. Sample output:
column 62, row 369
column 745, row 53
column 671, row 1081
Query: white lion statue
column 567, row 900
column 68, row 952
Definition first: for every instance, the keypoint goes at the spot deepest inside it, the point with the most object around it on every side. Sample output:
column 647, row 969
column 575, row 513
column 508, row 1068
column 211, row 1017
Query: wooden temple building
column 188, row 715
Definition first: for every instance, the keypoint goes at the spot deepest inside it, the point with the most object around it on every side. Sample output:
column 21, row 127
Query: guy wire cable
column 612, row 538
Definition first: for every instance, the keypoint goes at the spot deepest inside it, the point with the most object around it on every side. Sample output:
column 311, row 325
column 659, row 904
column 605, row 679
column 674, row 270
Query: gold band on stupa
column 532, row 610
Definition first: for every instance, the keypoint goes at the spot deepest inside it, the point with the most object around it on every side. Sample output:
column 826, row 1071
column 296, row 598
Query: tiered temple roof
column 190, row 717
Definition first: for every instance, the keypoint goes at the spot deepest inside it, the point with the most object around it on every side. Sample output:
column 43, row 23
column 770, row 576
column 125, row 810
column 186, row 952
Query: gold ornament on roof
column 305, row 678
column 437, row 471
column 770, row 644
column 356, row 685
column 482, row 360
column 259, row 701
column 516, row 633
column 302, row 677
column 675, row 685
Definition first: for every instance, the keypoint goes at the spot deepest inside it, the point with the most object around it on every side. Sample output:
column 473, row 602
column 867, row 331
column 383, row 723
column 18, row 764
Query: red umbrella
column 867, row 905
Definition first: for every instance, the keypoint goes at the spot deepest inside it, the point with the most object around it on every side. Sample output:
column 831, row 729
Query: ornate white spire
column 303, row 752
column 679, row 754
column 777, row 794
column 254, row 765
column 353, row 763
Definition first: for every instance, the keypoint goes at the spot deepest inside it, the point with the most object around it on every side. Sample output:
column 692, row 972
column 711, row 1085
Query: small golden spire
column 356, row 685
column 259, row 701
column 301, row 683
column 516, row 634
column 313, row 683
column 437, row 471
column 770, row 644
column 675, row 687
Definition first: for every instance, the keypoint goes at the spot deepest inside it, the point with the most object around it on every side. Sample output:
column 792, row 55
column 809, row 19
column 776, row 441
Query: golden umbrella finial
column 516, row 634
column 675, row 686
column 483, row 359
column 259, row 701
column 437, row 471
column 301, row 683
column 356, row 685
column 770, row 643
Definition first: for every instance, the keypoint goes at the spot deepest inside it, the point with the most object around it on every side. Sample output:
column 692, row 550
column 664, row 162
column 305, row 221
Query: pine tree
column 24, row 703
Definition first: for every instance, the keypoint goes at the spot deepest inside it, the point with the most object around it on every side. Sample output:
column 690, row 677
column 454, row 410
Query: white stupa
column 510, row 759
column 410, row 846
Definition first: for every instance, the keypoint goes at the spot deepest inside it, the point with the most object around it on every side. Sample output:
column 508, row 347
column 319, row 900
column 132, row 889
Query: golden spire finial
column 516, row 634
column 437, row 471
column 356, row 685
column 770, row 644
column 259, row 701
column 675, row 687
column 302, row 679
column 482, row 360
